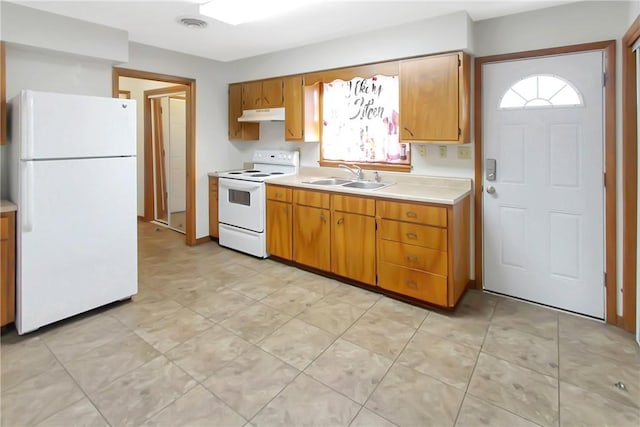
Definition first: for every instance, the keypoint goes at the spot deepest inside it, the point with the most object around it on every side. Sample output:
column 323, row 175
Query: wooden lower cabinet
column 423, row 250
column 7, row 268
column 312, row 237
column 279, row 233
column 353, row 247
column 419, row 250
column 213, row 207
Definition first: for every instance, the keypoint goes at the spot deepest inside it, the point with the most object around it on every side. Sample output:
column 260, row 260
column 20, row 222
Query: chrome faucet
column 377, row 176
column 354, row 169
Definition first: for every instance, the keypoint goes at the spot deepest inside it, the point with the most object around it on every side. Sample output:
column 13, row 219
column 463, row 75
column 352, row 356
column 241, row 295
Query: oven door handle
column 236, row 184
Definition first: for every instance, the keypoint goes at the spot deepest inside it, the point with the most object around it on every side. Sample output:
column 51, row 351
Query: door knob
column 491, row 189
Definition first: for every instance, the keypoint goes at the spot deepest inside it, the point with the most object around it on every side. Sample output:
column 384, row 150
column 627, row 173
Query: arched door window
column 541, row 91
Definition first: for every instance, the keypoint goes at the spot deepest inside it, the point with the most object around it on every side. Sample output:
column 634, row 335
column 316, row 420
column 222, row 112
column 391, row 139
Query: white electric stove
column 242, row 200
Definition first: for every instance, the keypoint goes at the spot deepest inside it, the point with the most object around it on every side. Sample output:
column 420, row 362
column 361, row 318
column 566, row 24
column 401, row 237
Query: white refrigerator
column 73, row 176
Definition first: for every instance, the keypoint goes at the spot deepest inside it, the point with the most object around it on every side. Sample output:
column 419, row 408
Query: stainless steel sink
column 330, row 181
column 367, row 185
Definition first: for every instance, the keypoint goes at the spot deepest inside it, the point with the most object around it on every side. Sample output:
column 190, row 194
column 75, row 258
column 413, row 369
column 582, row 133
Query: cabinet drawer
column 351, row 204
column 4, row 228
column 414, row 234
column 411, row 212
column 430, row 260
column 314, row 199
column 424, row 286
column 280, row 194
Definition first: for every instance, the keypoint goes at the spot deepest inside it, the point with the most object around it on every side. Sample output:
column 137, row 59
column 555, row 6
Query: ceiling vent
column 193, row 23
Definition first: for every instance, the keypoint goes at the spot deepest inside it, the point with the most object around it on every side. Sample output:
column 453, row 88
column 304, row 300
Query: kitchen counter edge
column 7, row 206
column 418, row 190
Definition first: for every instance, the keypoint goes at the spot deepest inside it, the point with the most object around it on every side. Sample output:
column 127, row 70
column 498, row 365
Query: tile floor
column 216, row 338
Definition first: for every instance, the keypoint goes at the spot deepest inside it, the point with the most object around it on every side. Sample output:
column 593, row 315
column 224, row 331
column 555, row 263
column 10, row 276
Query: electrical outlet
column 443, row 151
column 422, row 150
column 464, row 153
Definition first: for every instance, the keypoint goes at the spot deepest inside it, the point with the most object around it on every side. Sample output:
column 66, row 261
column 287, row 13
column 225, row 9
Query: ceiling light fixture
column 237, row 12
column 194, row 23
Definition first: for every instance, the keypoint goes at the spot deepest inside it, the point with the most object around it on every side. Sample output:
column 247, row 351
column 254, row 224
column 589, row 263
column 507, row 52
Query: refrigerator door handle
column 27, row 197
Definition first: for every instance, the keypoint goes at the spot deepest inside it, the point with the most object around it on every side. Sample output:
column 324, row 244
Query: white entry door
column 543, row 215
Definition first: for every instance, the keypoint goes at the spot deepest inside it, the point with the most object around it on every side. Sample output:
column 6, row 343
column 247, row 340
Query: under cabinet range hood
column 262, row 115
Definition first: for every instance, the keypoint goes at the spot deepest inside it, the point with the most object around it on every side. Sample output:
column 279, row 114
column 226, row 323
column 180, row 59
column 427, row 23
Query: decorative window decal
column 541, row 90
column 360, row 121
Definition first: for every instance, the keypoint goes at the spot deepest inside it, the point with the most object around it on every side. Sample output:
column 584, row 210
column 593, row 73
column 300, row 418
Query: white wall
column 137, row 88
column 43, row 30
column 634, row 11
column 213, row 150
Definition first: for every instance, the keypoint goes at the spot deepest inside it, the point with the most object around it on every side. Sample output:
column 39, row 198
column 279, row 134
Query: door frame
column 629, row 177
column 150, row 196
column 609, row 50
column 190, row 94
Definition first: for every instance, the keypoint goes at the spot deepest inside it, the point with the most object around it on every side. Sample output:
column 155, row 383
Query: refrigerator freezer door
column 59, row 126
column 77, row 237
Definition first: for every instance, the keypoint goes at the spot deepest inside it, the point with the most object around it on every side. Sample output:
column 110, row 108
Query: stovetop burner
column 252, row 171
column 277, row 173
column 259, row 174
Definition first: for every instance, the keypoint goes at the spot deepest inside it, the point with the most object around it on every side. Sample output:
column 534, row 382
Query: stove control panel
column 276, row 157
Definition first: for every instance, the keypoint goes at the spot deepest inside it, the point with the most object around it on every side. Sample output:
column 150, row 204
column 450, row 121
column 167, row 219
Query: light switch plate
column 443, row 151
column 464, row 153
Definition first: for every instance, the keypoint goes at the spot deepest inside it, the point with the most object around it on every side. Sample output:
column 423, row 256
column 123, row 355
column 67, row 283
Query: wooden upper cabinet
column 239, row 131
column 293, row 108
column 434, row 99
column 262, row 94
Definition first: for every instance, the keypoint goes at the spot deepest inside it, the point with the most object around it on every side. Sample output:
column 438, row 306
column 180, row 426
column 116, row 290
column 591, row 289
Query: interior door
column 543, row 215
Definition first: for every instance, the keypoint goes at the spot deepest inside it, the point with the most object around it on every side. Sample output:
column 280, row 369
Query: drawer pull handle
column 411, row 283
column 411, row 258
column 412, row 214
column 412, row 235
column 340, row 221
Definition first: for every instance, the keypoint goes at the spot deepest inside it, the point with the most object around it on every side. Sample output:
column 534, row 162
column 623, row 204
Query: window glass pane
column 549, row 86
column 527, row 88
column 541, row 91
column 360, row 120
column 512, row 100
column 567, row 96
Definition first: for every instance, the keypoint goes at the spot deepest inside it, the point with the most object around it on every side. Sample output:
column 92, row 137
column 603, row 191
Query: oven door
column 242, row 204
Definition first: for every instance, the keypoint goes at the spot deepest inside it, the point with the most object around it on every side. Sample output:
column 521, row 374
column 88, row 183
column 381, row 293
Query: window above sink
column 360, row 123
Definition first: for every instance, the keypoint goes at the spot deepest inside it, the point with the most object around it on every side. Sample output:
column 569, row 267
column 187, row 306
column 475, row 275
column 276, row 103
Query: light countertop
column 406, row 187
column 7, row 206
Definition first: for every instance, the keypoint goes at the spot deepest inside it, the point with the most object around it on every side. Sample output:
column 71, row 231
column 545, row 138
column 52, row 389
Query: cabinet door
column 7, row 269
column 293, row 109
column 279, row 229
column 252, row 95
column 353, row 247
column 213, row 207
column 429, row 99
column 239, row 131
column 312, row 237
column 272, row 93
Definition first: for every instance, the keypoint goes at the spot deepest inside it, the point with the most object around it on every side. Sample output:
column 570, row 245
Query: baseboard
column 202, row 240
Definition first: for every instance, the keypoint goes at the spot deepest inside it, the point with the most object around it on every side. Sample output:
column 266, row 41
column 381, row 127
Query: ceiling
column 155, row 22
